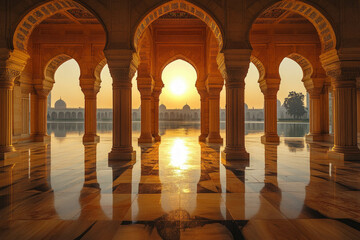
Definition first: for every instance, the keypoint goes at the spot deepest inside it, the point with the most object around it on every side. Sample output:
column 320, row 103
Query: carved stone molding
column 123, row 64
column 234, row 65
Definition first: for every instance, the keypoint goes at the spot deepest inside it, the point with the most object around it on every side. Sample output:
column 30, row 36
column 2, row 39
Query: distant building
column 184, row 114
column 62, row 113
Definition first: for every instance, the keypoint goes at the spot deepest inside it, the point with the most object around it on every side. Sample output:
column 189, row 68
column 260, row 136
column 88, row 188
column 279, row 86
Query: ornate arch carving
column 260, row 67
column 178, row 5
column 304, row 63
column 53, row 65
column 36, row 16
column 320, row 22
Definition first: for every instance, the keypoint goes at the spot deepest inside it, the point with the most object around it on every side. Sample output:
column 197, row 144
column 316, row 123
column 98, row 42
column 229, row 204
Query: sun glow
column 179, row 154
column 178, row 86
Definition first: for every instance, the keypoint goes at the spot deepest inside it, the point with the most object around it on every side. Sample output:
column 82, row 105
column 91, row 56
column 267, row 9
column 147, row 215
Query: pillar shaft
column 11, row 65
column 122, row 66
column 235, row 120
column 315, row 114
column 6, row 121
column 155, row 116
column 90, row 135
column 325, row 123
column 270, row 110
column 204, row 116
column 345, row 124
column 269, row 87
column 234, row 65
column 146, row 135
column 214, row 118
column 39, row 115
column 342, row 67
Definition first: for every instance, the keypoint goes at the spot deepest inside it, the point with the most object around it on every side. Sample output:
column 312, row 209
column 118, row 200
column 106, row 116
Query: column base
column 344, row 154
column 145, row 140
column 41, row 138
column 234, row 154
column 314, row 138
column 122, row 155
column 238, row 159
column 202, row 137
column 91, row 138
column 270, row 139
column 157, row 138
column 215, row 140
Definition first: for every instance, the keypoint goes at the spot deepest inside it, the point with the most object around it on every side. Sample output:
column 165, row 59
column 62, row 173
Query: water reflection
column 297, row 129
column 176, row 189
column 179, row 154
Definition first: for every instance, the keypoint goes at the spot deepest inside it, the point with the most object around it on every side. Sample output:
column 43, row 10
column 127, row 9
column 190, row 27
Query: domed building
column 162, row 107
column 60, row 104
column 186, row 107
column 182, row 114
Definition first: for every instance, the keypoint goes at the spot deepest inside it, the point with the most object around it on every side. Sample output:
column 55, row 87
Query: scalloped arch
column 178, row 5
column 36, row 16
column 322, row 25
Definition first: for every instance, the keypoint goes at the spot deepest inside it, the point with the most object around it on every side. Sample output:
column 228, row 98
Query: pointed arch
column 178, row 57
column 179, row 5
column 260, row 67
column 322, row 25
column 304, row 63
column 34, row 17
column 99, row 67
column 53, row 65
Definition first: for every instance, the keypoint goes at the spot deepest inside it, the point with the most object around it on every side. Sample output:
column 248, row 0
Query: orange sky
column 67, row 86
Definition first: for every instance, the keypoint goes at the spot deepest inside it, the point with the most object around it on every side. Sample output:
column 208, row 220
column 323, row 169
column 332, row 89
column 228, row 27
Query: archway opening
column 66, row 102
column 179, row 100
column 293, row 101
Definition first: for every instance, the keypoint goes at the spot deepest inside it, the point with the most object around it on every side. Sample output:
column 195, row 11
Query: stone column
column 11, row 65
column 358, row 107
column 269, row 88
column 325, row 118
column 39, row 114
column 343, row 68
column 155, row 115
column 122, row 65
column 214, row 115
column 204, row 115
column 145, row 86
column 234, row 65
column 90, row 93
column 315, row 117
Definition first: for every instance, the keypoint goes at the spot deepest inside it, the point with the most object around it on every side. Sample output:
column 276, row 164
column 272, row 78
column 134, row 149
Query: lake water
column 285, row 129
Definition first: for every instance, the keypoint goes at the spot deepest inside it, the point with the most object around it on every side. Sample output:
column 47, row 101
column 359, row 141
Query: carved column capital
column 269, row 86
column 342, row 66
column 234, row 65
column 12, row 63
column 123, row 64
column 89, row 86
column 41, row 91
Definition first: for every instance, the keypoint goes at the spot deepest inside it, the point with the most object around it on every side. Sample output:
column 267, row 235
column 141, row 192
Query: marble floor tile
column 178, row 189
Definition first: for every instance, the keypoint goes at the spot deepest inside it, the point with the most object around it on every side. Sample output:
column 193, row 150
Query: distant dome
column 246, row 107
column 60, row 104
column 162, row 107
column 278, row 103
column 186, row 107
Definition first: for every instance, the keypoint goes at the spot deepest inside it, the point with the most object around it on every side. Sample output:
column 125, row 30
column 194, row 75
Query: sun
column 178, row 86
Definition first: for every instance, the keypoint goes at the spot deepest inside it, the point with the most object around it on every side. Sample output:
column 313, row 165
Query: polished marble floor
column 178, row 189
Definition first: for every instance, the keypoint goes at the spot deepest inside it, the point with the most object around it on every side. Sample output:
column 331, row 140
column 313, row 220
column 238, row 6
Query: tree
column 294, row 105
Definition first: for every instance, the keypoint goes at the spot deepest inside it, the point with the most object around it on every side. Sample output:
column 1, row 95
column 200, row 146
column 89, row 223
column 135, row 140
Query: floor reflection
column 178, row 189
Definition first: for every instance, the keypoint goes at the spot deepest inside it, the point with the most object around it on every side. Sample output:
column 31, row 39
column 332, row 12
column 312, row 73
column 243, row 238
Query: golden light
column 179, row 154
column 178, row 86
